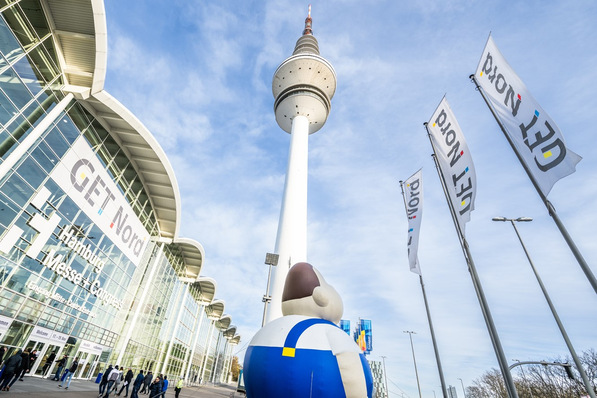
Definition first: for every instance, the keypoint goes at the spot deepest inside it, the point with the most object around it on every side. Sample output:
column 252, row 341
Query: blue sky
column 198, row 75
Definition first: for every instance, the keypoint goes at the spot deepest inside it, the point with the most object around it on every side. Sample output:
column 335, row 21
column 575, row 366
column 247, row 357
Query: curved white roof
column 193, row 254
column 235, row 340
column 230, row 332
column 215, row 309
column 207, row 287
column 80, row 35
column 224, row 322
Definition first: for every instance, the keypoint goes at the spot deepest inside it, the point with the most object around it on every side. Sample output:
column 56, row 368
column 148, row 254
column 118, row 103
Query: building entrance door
column 32, row 345
column 87, row 363
column 45, row 341
column 38, row 368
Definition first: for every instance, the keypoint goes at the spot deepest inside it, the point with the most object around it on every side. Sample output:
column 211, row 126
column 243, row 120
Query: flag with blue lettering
column 413, row 201
column 534, row 134
column 455, row 161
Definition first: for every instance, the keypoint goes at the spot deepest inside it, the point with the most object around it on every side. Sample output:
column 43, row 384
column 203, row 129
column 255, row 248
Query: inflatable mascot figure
column 304, row 353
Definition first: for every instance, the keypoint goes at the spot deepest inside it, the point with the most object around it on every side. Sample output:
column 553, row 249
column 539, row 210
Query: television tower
column 303, row 87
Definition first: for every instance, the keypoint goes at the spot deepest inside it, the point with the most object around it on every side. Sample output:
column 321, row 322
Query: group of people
column 15, row 366
column 143, row 384
column 113, row 379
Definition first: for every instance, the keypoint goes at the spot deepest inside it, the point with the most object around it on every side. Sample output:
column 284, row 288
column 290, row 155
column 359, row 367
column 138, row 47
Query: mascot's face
column 307, row 293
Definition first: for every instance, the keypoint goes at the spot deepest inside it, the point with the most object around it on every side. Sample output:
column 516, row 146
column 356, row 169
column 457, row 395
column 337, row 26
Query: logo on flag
column 454, row 160
column 535, row 135
column 413, row 199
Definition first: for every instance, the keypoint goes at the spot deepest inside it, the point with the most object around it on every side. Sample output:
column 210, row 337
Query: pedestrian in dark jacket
column 32, row 359
column 2, row 352
column 10, row 367
column 48, row 363
column 137, row 384
column 146, row 383
column 71, row 372
column 155, row 388
column 104, row 381
column 24, row 367
column 127, row 381
column 161, row 377
column 61, row 365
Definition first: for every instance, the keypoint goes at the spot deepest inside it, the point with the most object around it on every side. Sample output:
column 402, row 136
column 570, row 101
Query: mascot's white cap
column 307, row 293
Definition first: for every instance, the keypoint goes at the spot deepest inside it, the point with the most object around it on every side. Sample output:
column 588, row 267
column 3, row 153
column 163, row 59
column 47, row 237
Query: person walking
column 127, row 381
column 118, row 381
column 161, row 385
column 104, row 381
column 164, row 386
column 155, row 388
column 112, row 377
column 2, row 352
column 71, row 371
column 178, row 387
column 48, row 363
column 61, row 365
column 146, row 383
column 32, row 359
column 10, row 367
column 139, row 380
column 24, row 367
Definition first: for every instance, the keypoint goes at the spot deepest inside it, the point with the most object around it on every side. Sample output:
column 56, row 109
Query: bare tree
column 540, row 381
column 489, row 385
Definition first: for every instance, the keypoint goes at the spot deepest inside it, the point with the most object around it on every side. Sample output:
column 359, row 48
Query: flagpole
column 435, row 349
column 550, row 208
column 495, row 340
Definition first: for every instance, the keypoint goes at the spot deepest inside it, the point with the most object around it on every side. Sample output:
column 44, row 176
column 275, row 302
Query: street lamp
column 463, row 390
column 410, row 334
column 585, row 379
column 519, row 219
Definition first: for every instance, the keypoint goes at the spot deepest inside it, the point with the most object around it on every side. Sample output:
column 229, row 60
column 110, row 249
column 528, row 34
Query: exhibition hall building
column 91, row 261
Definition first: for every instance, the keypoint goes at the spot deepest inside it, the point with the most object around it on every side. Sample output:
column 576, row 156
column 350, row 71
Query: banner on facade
column 413, row 199
column 91, row 347
column 42, row 334
column 455, row 161
column 535, row 135
column 4, row 323
column 85, row 180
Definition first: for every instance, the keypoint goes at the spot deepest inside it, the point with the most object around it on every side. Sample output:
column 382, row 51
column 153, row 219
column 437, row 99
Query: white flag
column 413, row 198
column 455, row 161
column 535, row 135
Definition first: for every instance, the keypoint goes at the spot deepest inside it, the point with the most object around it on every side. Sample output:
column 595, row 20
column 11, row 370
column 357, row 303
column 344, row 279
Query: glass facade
column 84, row 271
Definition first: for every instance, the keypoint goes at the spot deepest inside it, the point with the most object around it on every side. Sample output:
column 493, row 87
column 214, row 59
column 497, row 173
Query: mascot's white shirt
column 319, row 336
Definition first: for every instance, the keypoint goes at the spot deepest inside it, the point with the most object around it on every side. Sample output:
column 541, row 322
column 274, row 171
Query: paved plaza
column 35, row 387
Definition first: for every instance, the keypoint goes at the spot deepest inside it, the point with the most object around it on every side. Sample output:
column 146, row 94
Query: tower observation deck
column 304, row 84
column 303, row 87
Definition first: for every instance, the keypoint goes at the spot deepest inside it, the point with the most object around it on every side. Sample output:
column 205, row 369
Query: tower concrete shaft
column 303, row 86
